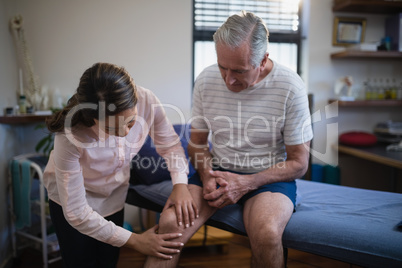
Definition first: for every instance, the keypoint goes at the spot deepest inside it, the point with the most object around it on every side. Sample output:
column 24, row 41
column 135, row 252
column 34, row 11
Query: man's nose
column 230, row 77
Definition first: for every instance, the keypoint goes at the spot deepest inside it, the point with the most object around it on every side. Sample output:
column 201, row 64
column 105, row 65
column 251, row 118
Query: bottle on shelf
column 394, row 89
column 381, row 90
column 367, row 87
column 387, row 89
column 399, row 94
column 374, row 91
column 22, row 103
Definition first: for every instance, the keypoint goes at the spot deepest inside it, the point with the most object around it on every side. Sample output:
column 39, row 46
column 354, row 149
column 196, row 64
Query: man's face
column 235, row 67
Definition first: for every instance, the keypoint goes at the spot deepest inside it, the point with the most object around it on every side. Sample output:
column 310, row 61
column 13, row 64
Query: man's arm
column 198, row 151
column 201, row 158
column 294, row 167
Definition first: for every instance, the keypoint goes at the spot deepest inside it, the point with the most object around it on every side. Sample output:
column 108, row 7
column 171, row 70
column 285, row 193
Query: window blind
column 280, row 16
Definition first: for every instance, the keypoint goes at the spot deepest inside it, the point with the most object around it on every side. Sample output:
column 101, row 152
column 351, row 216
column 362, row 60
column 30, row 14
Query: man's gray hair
column 244, row 27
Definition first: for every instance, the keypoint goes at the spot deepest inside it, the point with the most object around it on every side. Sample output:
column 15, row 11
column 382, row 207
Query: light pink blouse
column 88, row 171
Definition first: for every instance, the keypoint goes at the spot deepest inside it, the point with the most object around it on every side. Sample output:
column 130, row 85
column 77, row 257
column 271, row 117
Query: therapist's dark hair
column 103, row 83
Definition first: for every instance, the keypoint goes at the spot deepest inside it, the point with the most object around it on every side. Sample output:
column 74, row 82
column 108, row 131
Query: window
column 282, row 18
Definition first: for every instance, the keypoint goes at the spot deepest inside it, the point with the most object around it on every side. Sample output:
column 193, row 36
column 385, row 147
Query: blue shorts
column 286, row 188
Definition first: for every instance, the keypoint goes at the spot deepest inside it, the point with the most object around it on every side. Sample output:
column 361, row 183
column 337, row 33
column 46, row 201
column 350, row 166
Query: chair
column 25, row 181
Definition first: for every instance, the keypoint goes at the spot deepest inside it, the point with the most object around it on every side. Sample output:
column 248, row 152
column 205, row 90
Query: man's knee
column 267, row 236
column 168, row 221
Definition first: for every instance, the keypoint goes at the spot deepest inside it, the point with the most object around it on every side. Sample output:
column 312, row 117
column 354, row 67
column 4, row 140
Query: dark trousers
column 79, row 250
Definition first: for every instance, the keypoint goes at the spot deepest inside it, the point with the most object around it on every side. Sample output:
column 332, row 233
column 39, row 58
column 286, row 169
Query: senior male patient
column 257, row 112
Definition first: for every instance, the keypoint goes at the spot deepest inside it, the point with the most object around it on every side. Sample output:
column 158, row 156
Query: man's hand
column 210, row 183
column 232, row 188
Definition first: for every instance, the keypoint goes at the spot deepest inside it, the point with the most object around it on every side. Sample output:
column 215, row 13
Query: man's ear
column 264, row 61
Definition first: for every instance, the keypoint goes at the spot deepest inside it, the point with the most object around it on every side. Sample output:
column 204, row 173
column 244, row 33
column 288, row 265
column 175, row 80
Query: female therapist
column 103, row 126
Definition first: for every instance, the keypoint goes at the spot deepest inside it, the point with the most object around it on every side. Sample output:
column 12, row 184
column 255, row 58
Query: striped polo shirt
column 249, row 129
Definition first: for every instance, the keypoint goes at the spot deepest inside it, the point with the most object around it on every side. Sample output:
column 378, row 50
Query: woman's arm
column 168, row 145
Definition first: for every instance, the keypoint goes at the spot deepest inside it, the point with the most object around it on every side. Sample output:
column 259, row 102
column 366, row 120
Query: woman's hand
column 185, row 207
column 152, row 244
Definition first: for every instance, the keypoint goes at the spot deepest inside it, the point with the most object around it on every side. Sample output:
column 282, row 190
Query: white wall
column 152, row 39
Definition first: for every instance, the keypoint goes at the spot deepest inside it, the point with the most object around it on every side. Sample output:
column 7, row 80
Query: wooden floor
column 237, row 256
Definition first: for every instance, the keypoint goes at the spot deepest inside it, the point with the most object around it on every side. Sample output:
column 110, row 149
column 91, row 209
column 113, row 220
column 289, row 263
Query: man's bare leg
column 265, row 217
column 168, row 224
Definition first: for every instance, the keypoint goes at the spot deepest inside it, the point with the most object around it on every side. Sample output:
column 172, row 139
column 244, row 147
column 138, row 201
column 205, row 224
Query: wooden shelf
column 368, row 6
column 368, row 103
column 22, row 119
column 347, row 54
column 376, row 153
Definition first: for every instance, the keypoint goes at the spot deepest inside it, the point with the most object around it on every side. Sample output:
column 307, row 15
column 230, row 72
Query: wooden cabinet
column 376, row 165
